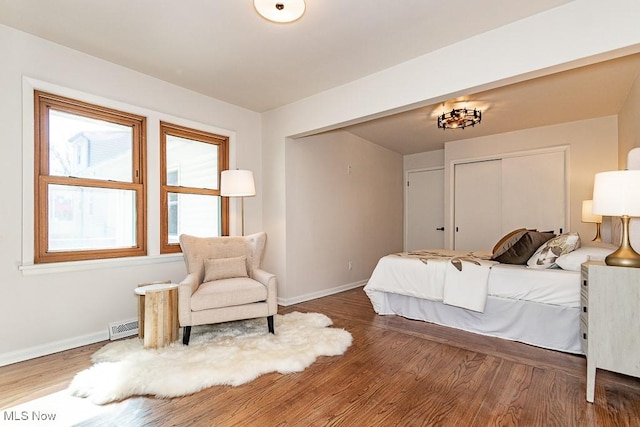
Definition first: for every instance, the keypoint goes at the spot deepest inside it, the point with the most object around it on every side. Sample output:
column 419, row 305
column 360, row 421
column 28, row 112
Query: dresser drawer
column 584, row 308
column 584, row 334
column 584, row 314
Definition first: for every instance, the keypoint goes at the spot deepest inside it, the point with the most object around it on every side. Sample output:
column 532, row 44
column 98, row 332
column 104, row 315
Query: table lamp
column 588, row 216
column 237, row 183
column 617, row 193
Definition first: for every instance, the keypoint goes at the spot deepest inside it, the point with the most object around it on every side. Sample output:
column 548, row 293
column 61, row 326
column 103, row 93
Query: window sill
column 62, row 267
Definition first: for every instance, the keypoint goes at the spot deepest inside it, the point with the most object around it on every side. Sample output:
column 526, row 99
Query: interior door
column 425, row 210
column 477, row 205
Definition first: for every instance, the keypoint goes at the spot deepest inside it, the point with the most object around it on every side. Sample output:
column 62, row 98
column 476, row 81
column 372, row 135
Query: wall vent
column 123, row 329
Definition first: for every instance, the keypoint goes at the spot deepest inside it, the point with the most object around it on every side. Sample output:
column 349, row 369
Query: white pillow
column 548, row 253
column 573, row 260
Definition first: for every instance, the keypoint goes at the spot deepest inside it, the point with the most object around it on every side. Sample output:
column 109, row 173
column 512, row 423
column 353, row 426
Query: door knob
column 440, row 228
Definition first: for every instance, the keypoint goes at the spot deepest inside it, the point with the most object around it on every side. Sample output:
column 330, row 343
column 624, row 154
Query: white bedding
column 555, row 327
column 538, row 307
column 455, row 278
column 547, row 286
column 436, row 281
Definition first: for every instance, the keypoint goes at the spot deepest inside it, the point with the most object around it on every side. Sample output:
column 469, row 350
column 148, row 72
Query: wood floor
column 397, row 372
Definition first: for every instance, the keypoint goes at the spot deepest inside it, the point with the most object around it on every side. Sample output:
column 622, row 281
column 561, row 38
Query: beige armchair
column 225, row 282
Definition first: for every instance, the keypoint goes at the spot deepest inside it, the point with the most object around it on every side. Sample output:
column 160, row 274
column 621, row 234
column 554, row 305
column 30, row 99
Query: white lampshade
column 617, row 193
column 280, row 10
column 587, row 212
column 237, row 183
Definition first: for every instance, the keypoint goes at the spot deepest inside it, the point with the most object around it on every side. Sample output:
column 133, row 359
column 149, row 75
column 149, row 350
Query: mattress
column 412, row 277
column 547, row 286
column 537, row 307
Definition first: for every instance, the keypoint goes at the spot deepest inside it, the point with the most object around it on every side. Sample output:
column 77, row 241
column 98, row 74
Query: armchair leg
column 186, row 334
column 270, row 324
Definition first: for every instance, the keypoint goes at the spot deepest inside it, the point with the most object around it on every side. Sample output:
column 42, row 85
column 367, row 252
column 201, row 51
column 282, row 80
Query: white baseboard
column 52, row 347
column 62, row 345
column 323, row 293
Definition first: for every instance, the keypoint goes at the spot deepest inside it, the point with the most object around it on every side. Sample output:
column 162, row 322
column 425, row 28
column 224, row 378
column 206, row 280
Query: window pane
column 89, row 148
column 191, row 163
column 193, row 214
column 172, row 177
column 84, row 218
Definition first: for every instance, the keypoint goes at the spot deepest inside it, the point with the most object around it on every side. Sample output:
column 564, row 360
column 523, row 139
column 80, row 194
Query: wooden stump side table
column 158, row 314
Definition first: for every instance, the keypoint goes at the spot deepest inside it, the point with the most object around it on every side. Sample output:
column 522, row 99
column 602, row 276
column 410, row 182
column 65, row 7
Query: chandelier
column 459, row 118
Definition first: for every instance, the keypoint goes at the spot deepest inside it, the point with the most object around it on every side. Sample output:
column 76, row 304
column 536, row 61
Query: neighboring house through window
column 172, row 200
column 89, row 181
column 190, row 201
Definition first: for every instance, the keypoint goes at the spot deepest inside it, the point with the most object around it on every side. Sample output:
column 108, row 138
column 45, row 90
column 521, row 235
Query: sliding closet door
column 477, row 205
column 534, row 192
column 492, row 198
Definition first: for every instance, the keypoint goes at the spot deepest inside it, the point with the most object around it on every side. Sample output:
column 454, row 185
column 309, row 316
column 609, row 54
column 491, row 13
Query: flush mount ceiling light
column 459, row 118
column 281, row 11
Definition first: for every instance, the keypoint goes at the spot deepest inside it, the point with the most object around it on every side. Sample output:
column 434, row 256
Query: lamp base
column 598, row 237
column 624, row 256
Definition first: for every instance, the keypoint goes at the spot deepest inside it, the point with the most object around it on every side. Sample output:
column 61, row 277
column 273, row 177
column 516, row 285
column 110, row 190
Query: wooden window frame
column 43, row 102
column 223, row 163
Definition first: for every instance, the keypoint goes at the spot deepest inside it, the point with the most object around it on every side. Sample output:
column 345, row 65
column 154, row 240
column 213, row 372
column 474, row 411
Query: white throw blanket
column 453, row 277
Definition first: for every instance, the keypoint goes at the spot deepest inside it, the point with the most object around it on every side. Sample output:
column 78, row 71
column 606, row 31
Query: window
column 190, row 201
column 89, row 181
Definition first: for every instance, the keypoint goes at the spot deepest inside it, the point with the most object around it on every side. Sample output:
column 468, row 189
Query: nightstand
column 610, row 320
column 157, row 314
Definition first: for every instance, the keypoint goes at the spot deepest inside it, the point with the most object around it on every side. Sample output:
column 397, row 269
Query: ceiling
column 581, row 93
column 224, row 49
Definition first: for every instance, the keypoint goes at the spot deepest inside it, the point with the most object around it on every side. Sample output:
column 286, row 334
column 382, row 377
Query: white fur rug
column 230, row 353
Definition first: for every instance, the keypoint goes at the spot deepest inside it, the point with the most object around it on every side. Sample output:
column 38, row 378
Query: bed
column 533, row 303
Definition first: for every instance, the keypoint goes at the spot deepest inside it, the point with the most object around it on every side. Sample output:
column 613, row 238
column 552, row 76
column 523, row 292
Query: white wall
column 428, row 159
column 593, row 148
column 44, row 310
column 578, row 33
column 629, row 124
column 344, row 203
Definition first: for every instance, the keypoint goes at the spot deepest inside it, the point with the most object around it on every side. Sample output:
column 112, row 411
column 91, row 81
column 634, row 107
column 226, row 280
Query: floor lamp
column 237, row 183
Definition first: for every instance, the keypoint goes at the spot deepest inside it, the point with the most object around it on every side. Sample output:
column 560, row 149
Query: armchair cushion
column 197, row 249
column 227, row 293
column 225, row 268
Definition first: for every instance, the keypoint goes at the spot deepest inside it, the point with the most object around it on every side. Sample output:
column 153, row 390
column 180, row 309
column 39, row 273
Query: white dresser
column 610, row 320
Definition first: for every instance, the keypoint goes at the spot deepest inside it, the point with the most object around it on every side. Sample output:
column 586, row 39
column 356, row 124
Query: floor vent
column 123, row 329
